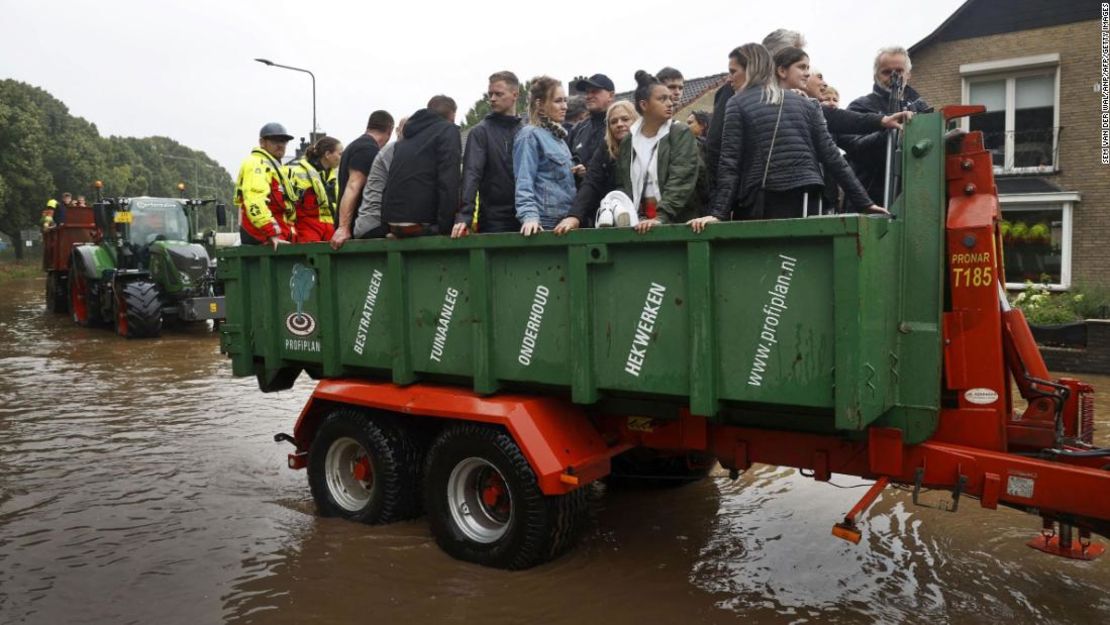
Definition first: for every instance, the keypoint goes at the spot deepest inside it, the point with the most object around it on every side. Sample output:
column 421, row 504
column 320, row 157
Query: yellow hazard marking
column 212, row 307
column 122, row 217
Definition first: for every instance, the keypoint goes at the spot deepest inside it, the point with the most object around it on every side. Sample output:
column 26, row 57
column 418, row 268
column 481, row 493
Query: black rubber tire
column 396, row 459
column 57, row 292
column 141, row 315
column 650, row 468
column 540, row 527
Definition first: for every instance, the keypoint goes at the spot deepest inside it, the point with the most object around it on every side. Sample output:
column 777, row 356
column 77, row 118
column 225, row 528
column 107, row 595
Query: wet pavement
column 139, row 484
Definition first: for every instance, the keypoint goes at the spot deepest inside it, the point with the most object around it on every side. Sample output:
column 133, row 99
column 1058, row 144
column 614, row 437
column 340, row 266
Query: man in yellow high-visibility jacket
column 263, row 192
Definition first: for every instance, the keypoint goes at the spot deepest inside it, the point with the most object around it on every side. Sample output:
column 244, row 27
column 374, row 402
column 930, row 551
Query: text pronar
column 444, row 323
column 774, row 308
column 644, row 327
column 532, row 328
column 368, row 311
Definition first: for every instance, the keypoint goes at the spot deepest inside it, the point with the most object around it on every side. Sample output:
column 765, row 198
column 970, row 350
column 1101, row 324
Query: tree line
column 45, row 151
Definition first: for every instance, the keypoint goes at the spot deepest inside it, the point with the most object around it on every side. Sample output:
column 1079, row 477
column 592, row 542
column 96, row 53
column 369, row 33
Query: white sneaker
column 619, row 210
column 626, row 217
column 604, row 218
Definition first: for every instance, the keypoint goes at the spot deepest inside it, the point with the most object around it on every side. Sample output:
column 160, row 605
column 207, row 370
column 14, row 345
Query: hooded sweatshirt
column 423, row 182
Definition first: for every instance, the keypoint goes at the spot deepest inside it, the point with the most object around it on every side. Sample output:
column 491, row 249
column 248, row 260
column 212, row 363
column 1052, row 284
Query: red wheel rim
column 77, row 296
column 121, row 316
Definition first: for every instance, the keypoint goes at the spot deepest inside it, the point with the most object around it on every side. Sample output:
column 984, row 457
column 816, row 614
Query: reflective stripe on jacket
column 264, row 197
column 315, row 193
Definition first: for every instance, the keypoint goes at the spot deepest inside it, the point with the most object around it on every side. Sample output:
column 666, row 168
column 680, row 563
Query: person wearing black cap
column 590, row 133
column 263, row 193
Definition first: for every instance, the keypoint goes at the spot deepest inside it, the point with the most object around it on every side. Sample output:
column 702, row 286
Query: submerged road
column 139, row 484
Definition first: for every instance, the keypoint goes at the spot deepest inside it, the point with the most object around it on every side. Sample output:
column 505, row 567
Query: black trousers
column 792, row 204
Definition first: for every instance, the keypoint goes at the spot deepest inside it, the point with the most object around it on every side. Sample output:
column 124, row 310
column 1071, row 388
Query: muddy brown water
column 139, row 484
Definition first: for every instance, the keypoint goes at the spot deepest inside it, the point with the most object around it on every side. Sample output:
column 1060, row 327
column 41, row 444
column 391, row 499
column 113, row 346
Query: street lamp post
column 312, row 134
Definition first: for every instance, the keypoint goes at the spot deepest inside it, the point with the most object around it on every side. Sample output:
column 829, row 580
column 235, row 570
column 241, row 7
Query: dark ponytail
column 322, row 146
column 645, row 83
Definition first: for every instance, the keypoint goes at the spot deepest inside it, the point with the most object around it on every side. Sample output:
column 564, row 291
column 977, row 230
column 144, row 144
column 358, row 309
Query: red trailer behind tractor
column 57, row 253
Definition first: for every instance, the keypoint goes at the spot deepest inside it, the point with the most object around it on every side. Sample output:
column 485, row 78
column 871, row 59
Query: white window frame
column 1010, row 70
column 1041, row 201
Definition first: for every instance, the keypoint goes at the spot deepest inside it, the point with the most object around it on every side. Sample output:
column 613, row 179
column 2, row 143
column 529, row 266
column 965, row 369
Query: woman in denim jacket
column 541, row 160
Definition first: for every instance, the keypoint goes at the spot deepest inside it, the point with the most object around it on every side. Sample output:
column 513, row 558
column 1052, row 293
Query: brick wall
column 936, row 75
column 1095, row 358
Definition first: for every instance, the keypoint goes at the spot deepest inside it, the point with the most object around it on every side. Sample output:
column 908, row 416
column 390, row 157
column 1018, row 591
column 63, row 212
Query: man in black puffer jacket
column 488, row 163
column 867, row 152
column 422, row 191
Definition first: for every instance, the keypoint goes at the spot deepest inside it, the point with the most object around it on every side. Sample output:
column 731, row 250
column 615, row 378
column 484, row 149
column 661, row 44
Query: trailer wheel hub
column 349, row 474
column 362, row 471
column 479, row 499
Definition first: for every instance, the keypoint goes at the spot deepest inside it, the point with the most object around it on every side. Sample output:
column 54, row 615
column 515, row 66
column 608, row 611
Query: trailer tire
column 137, row 310
column 57, row 292
column 349, row 442
column 514, row 525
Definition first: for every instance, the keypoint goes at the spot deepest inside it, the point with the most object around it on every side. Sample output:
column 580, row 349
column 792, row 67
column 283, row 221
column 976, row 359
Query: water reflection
column 139, row 484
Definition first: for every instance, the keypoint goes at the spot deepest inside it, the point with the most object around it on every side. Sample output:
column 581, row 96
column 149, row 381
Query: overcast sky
column 184, row 69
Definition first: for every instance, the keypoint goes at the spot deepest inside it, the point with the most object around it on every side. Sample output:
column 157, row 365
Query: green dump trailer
column 832, row 320
column 812, row 342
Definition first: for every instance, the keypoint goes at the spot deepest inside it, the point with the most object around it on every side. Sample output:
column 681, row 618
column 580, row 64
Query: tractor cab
column 157, row 219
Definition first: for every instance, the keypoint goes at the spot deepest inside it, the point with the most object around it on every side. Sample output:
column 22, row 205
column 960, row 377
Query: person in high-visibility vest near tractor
column 48, row 214
column 315, row 180
column 263, row 192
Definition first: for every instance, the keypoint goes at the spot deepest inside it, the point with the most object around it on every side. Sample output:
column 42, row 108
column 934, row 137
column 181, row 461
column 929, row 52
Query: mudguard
column 92, row 261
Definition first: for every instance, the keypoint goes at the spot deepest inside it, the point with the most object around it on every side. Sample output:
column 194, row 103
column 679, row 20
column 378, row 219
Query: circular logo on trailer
column 981, row 396
column 301, row 281
column 300, row 323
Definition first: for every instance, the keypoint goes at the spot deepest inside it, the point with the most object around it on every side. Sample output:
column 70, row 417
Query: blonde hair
column 619, row 106
column 761, row 72
column 540, row 92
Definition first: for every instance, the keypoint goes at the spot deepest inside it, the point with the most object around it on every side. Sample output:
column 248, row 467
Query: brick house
column 1035, row 65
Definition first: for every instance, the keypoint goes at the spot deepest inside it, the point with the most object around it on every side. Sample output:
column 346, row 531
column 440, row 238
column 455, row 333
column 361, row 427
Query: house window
column 1020, row 127
column 1036, row 240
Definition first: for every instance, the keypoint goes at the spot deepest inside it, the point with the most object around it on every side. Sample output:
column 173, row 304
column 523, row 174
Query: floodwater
column 139, row 484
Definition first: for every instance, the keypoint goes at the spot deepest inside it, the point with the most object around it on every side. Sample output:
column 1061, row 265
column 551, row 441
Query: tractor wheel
column 650, row 468
column 365, row 469
column 57, row 292
column 82, row 302
column 136, row 310
column 485, row 506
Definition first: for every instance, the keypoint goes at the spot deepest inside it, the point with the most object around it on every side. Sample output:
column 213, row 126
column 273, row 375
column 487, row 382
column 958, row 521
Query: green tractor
column 149, row 263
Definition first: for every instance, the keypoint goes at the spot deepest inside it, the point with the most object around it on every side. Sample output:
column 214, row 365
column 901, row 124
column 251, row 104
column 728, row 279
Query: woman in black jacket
column 773, row 145
column 601, row 172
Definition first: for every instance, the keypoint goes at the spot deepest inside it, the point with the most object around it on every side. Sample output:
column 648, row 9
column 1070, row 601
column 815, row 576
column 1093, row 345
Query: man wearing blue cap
column 590, row 132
